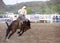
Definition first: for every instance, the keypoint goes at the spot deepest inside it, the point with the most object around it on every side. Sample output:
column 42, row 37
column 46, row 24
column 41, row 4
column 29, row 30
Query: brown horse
column 17, row 25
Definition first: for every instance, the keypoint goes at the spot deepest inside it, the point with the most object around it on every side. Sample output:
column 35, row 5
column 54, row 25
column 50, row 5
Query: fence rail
column 46, row 18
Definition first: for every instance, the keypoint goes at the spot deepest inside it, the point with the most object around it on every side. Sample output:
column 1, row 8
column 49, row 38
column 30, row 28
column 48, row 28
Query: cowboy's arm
column 25, row 12
column 19, row 11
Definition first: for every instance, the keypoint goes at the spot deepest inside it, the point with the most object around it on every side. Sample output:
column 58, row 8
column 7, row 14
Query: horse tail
column 7, row 24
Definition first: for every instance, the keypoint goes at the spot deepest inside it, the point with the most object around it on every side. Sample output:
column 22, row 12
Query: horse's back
column 14, row 23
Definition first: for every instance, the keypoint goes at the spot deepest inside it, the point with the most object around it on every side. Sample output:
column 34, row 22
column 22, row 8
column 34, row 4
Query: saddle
column 19, row 22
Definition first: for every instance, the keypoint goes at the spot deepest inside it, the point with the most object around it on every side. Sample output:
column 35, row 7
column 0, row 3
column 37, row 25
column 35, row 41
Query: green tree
column 2, row 12
column 58, row 8
column 29, row 11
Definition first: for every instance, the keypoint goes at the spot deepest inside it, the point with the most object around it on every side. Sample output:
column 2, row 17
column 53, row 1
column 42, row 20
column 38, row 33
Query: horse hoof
column 18, row 32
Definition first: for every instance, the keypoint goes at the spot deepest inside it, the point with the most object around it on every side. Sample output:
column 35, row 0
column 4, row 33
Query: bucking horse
column 16, row 24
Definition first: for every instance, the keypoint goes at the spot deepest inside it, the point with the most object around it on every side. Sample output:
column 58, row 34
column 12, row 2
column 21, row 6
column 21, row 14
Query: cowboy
column 22, row 13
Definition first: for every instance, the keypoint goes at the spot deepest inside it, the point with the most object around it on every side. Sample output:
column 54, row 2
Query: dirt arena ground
column 39, row 33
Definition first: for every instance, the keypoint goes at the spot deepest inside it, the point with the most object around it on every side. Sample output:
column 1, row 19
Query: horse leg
column 7, row 32
column 11, row 33
column 29, row 24
column 21, row 31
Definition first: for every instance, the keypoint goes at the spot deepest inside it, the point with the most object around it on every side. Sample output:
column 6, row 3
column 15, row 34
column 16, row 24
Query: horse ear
column 7, row 24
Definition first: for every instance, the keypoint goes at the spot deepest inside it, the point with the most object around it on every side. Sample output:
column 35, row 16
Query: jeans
column 20, row 16
column 23, row 20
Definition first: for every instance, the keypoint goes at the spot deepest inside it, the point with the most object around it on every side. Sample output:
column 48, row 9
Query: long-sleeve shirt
column 22, row 11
